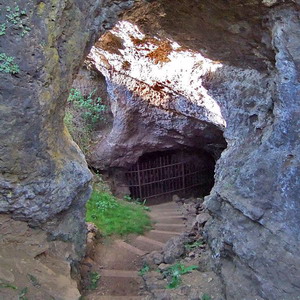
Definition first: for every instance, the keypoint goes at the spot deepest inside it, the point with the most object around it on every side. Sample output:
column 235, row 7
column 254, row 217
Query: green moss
column 113, row 216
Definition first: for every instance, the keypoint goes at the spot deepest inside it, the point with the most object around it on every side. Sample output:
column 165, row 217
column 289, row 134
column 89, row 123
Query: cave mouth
column 157, row 176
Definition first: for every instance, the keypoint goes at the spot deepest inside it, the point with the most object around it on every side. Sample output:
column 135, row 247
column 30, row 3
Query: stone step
column 112, row 297
column 165, row 232
column 130, row 248
column 150, row 241
column 165, row 205
column 165, row 210
column 117, row 256
column 165, row 227
column 164, row 214
column 119, row 273
column 117, row 286
column 177, row 226
column 162, row 238
column 168, row 217
column 146, row 247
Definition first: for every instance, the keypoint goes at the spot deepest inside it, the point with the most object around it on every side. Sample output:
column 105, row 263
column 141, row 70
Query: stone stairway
column 119, row 262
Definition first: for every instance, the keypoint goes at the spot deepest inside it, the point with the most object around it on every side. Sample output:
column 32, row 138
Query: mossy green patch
column 113, row 216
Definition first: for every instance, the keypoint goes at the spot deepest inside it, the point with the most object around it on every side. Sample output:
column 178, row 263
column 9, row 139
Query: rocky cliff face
column 44, row 177
column 245, row 63
column 255, row 203
column 247, row 78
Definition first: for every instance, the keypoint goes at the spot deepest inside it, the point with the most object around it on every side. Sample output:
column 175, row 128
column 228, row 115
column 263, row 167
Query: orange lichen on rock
column 161, row 53
column 126, row 65
column 139, row 42
column 110, row 43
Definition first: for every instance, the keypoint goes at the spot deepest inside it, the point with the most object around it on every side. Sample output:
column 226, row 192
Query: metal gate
column 164, row 174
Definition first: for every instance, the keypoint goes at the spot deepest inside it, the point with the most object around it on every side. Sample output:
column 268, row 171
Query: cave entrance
column 163, row 174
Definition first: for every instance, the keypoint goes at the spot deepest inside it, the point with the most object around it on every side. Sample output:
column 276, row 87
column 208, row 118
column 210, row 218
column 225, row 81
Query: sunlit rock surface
column 156, row 96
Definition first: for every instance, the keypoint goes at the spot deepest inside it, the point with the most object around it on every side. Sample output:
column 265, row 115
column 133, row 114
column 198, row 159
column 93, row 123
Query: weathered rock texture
column 254, row 48
column 156, row 98
column 44, row 177
column 255, row 232
column 29, row 261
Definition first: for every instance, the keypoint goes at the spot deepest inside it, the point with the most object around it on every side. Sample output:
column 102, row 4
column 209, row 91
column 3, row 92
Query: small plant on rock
column 92, row 108
column 2, row 29
column 206, row 297
column 194, row 245
column 23, row 293
column 174, row 273
column 7, row 285
column 145, row 269
column 94, row 278
column 16, row 19
column 7, row 64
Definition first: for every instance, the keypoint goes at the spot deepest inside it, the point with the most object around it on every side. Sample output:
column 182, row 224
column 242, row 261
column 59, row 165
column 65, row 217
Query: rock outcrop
column 249, row 69
column 44, row 177
column 156, row 97
column 255, row 202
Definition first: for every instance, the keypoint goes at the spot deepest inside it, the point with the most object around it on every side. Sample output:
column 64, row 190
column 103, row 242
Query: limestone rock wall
column 255, row 203
column 158, row 103
column 44, row 177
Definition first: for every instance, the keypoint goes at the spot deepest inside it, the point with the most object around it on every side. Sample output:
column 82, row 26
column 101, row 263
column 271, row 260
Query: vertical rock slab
column 44, row 177
column 255, row 232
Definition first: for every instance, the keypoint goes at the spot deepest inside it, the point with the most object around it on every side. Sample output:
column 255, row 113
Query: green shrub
column 92, row 108
column 80, row 133
column 113, row 216
column 82, row 116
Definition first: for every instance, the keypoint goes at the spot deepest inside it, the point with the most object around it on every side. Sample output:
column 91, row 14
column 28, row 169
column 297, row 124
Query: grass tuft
column 174, row 273
column 113, row 216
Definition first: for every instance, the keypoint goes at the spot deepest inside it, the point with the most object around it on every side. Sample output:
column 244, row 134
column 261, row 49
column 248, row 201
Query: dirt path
column 118, row 262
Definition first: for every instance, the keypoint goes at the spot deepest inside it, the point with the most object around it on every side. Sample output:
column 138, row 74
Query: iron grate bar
column 162, row 176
